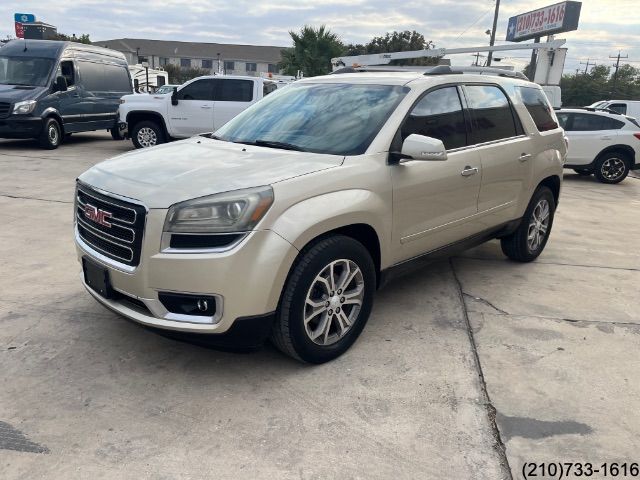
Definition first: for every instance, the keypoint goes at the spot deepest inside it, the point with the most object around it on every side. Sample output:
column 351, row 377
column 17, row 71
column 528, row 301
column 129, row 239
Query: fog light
column 183, row 304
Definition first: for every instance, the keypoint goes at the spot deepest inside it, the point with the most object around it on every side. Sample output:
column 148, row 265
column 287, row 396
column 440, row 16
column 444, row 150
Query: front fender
column 315, row 216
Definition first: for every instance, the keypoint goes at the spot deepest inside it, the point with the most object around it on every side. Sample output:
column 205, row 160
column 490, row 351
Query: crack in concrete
column 18, row 197
column 558, row 264
column 499, row 445
column 486, row 302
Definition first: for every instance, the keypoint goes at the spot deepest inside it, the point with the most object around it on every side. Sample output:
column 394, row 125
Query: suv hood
column 18, row 93
column 167, row 174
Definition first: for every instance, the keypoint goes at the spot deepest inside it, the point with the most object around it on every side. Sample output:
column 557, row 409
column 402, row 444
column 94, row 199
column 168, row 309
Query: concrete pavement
column 466, row 369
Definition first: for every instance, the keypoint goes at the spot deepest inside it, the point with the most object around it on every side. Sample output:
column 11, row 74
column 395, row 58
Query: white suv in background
column 601, row 143
column 284, row 222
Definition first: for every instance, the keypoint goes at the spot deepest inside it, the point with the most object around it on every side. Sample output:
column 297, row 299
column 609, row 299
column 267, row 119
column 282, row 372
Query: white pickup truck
column 200, row 105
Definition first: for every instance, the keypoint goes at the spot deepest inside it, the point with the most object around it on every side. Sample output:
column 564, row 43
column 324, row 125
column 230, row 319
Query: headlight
column 21, row 108
column 236, row 211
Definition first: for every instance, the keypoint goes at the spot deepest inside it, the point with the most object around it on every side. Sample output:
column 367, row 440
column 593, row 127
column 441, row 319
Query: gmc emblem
column 97, row 216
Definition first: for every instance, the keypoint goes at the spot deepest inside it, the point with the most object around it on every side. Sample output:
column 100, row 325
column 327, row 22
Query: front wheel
column 51, row 135
column 326, row 300
column 529, row 240
column 147, row 134
column 612, row 168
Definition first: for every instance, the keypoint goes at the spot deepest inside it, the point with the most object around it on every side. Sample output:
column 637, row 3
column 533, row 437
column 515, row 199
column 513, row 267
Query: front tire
column 147, row 134
column 51, row 135
column 326, row 300
column 612, row 168
column 529, row 240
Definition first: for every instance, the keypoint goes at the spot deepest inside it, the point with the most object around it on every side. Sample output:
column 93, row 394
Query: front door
column 69, row 103
column 434, row 202
column 194, row 112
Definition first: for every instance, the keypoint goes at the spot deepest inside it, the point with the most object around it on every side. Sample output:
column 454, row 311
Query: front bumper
column 245, row 280
column 16, row 126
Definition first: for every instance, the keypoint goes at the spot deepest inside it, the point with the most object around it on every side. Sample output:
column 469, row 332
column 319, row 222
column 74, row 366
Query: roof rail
column 453, row 70
column 594, row 109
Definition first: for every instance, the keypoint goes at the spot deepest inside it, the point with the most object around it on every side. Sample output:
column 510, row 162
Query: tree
column 396, row 42
column 178, row 75
column 582, row 89
column 312, row 51
column 84, row 38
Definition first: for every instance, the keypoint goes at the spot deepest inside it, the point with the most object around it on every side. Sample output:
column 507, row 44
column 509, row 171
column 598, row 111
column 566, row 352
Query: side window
column 66, row 70
column 563, row 119
column 228, row 90
column 92, row 76
column 117, row 78
column 584, row 122
column 612, row 124
column 439, row 115
column 618, row 107
column 198, row 90
column 539, row 109
column 268, row 87
column 491, row 114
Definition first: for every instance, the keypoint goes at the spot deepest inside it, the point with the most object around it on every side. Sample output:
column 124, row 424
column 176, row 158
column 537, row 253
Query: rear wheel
column 529, row 240
column 147, row 134
column 51, row 135
column 326, row 300
column 583, row 172
column 612, row 168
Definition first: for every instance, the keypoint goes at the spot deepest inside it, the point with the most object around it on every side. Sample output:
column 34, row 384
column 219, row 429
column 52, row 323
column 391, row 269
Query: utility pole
column 492, row 40
column 615, row 73
column 586, row 65
column 477, row 62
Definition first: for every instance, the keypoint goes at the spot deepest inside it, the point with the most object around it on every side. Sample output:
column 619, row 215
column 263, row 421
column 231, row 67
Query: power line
column 479, row 18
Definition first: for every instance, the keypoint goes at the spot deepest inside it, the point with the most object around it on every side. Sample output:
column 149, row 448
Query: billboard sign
column 560, row 17
column 20, row 19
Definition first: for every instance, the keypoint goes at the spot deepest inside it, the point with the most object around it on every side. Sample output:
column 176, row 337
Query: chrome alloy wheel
column 613, row 168
column 333, row 302
column 54, row 136
column 538, row 225
column 147, row 137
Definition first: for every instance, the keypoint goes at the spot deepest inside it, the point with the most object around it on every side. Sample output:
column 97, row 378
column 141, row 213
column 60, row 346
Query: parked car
column 50, row 89
column 201, row 105
column 601, row 143
column 284, row 222
column 164, row 89
column 630, row 108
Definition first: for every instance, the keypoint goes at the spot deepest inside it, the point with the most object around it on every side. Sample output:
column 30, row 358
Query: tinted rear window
column 491, row 114
column 539, row 108
column 585, row 122
column 233, row 90
column 100, row 77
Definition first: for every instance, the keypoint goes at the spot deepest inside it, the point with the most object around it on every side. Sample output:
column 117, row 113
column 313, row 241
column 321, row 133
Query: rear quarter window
column 538, row 107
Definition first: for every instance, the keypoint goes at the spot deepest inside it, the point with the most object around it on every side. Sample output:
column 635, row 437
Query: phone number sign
column 561, row 17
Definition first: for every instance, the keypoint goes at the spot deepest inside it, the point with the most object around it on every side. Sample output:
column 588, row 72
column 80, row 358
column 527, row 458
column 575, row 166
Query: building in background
column 232, row 59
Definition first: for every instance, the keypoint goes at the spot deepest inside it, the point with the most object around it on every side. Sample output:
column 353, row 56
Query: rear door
column 505, row 152
column 232, row 96
column 434, row 201
column 194, row 112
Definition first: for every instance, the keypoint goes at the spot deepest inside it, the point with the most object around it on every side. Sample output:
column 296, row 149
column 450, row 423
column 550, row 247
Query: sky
column 606, row 26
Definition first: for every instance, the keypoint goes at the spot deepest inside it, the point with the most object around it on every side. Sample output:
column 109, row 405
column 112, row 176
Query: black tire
column 147, row 134
column 115, row 134
column 612, row 167
column 289, row 333
column 51, row 135
column 582, row 172
column 517, row 246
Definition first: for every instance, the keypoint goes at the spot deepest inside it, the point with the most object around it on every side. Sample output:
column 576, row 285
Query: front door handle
column 605, row 137
column 206, row 107
column 468, row 171
column 524, row 157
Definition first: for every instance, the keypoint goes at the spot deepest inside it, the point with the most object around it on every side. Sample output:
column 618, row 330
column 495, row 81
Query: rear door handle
column 206, row 107
column 605, row 137
column 524, row 157
column 468, row 171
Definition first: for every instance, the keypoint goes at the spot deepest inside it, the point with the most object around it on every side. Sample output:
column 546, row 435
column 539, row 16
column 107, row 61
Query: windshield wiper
column 275, row 144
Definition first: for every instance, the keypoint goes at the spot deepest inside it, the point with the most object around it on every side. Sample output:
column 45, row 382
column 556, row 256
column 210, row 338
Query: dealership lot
column 467, row 368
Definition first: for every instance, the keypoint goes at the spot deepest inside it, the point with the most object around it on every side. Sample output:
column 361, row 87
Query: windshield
column 31, row 71
column 339, row 119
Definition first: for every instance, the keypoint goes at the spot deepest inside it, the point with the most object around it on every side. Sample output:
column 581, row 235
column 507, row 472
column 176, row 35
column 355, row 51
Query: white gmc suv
column 284, row 222
column 203, row 104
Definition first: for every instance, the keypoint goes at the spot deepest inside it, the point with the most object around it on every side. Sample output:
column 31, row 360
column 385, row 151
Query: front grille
column 5, row 109
column 111, row 226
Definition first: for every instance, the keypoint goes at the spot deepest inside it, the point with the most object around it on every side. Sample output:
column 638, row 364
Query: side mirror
column 419, row 147
column 60, row 84
column 174, row 96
